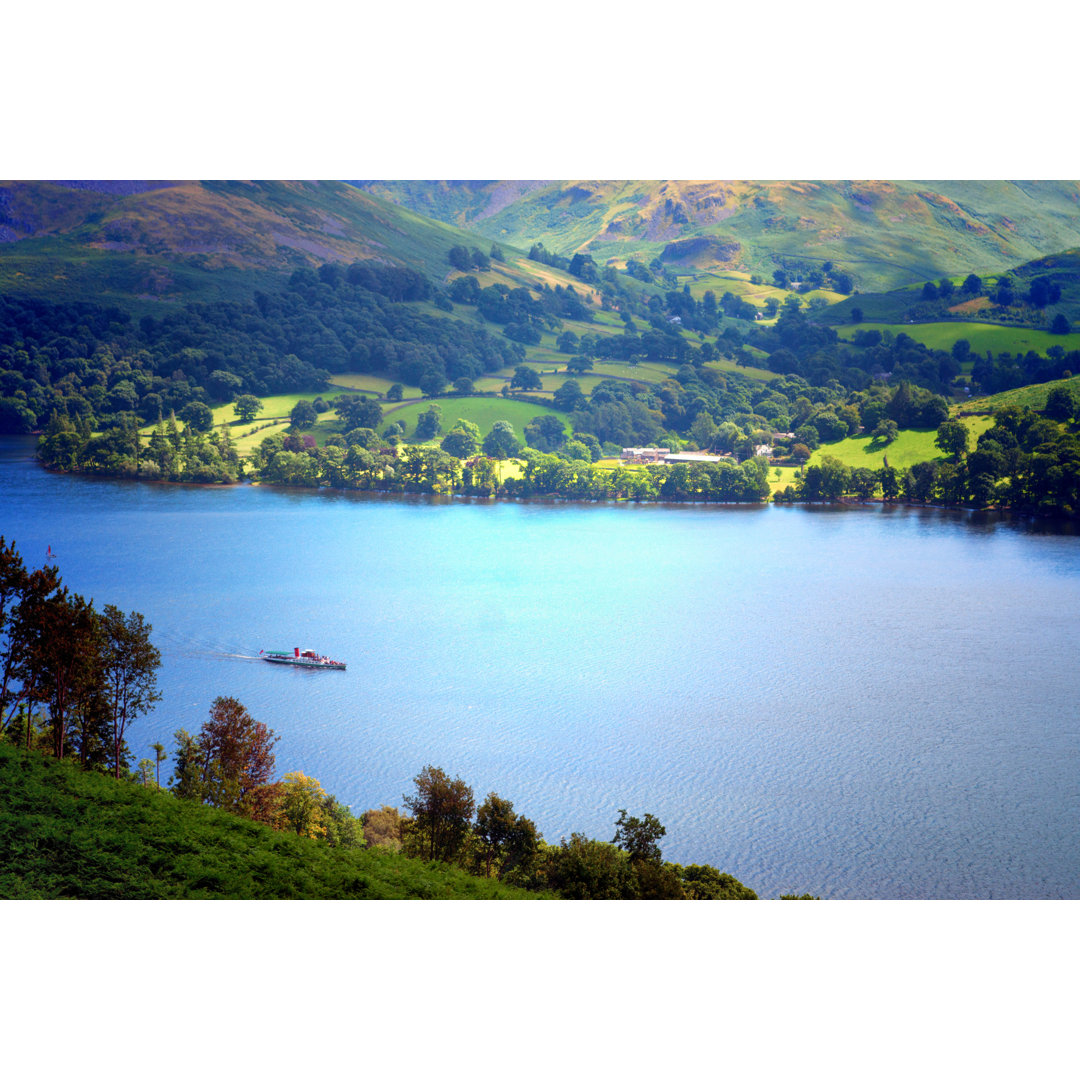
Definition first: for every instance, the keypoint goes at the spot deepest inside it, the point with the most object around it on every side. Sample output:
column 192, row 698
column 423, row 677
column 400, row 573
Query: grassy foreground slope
column 69, row 834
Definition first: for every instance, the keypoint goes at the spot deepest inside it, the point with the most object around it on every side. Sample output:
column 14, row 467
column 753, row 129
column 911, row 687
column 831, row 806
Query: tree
column 429, row 423
column 237, row 752
column 638, row 837
column 396, row 392
column 508, row 842
column 301, row 805
column 952, row 437
column 546, row 433
column 578, row 365
column 707, row 883
column 459, row 258
column 159, row 757
column 1060, row 325
column 14, row 580
column 130, row 664
column 358, row 412
column 64, row 646
column 568, row 396
column 189, row 768
column 247, row 407
column 584, row 869
column 463, row 440
column 567, row 342
column 972, row 285
column 431, row 383
column 500, row 441
column 442, row 811
column 704, row 430
column 1060, row 404
column 383, row 827
column 303, row 414
column 197, row 416
column 525, row 378
column 886, row 431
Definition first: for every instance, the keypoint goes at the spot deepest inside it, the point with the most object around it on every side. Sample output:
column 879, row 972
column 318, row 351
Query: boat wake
column 176, row 644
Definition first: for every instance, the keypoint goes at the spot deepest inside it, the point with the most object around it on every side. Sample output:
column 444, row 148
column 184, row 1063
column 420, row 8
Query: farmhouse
column 691, row 459
column 644, row 453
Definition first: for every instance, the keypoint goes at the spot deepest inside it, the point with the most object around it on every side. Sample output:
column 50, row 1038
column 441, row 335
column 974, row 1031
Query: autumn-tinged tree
column 65, row 648
column 237, row 754
column 301, row 805
column 442, row 811
column 383, row 827
column 130, row 668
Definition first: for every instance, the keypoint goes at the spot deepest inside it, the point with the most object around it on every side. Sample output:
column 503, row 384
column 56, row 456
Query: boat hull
column 294, row 661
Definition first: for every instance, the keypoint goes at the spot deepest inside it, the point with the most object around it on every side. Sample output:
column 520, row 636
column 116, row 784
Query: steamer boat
column 302, row 658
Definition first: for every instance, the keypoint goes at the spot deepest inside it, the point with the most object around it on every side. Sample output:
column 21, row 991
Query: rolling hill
column 162, row 241
column 884, row 233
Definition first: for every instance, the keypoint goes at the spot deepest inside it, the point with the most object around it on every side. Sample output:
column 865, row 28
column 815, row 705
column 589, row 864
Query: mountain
column 176, row 240
column 883, row 233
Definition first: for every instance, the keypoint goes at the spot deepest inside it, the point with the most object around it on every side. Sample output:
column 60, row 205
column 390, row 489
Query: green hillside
column 883, row 233
column 208, row 240
column 69, row 834
column 1029, row 397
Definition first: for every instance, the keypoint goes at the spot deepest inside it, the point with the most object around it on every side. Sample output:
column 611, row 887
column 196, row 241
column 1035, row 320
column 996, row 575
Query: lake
column 858, row 702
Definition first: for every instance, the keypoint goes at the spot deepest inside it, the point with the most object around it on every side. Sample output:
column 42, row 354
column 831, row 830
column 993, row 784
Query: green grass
column 353, row 382
column 68, row 834
column 909, row 448
column 481, row 411
column 981, row 336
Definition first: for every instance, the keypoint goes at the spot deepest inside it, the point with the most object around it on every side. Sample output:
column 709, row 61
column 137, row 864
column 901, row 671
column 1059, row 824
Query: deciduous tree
column 129, row 666
column 247, row 407
column 442, row 811
column 237, row 753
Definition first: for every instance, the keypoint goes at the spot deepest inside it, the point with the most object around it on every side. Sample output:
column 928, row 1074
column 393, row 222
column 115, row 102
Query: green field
column 982, row 337
column 371, row 384
column 909, row 448
column 482, row 411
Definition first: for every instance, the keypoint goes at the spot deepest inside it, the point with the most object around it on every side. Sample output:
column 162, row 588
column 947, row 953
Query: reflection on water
column 855, row 701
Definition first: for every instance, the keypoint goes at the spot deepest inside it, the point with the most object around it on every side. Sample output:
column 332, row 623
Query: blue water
column 857, row 702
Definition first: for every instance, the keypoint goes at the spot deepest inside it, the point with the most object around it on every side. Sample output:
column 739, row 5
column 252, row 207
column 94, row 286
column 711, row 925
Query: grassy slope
column 909, row 448
column 69, row 834
column 482, row 411
column 1032, row 397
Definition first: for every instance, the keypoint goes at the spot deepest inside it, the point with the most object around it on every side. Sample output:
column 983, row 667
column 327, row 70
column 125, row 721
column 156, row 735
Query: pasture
column 482, row 411
column 909, row 448
column 982, row 337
